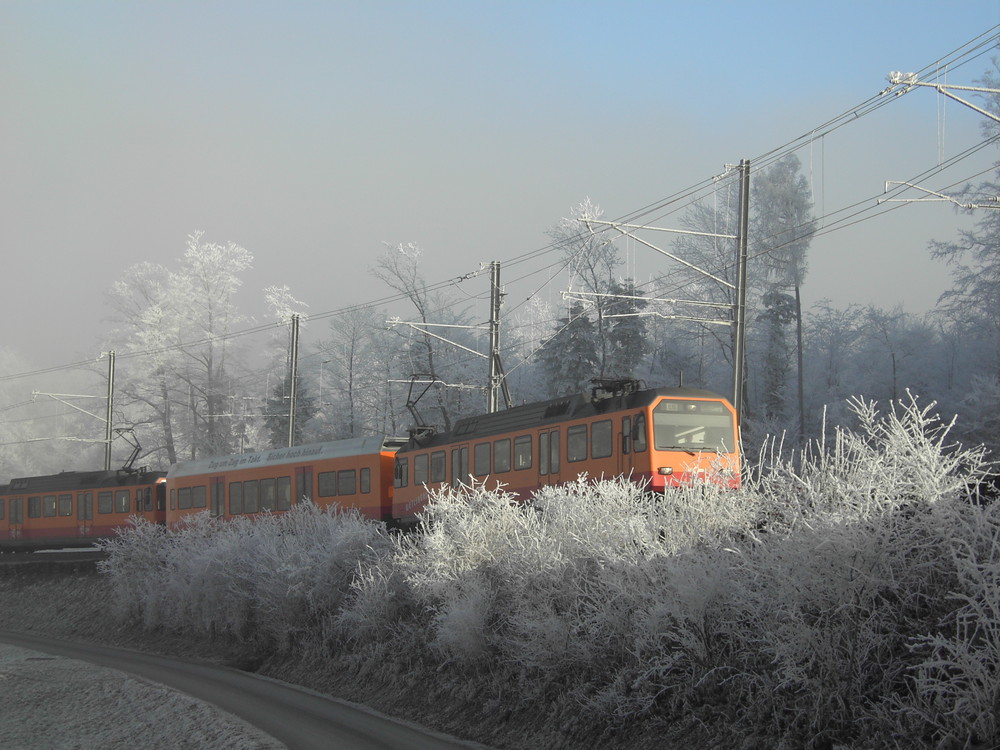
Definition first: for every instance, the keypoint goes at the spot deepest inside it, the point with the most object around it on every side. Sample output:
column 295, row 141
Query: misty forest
column 846, row 595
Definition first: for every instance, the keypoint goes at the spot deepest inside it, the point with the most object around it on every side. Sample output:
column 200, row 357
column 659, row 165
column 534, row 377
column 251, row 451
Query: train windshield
column 693, row 426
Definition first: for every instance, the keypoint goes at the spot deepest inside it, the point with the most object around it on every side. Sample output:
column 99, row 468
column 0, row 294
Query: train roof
column 530, row 416
column 281, row 456
column 68, row 481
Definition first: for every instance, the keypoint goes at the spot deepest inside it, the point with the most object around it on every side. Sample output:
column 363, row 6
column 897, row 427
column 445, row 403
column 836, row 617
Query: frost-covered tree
column 422, row 354
column 181, row 320
column 782, row 227
column 592, row 260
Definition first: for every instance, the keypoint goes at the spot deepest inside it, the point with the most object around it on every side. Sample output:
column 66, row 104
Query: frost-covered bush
column 271, row 581
column 846, row 595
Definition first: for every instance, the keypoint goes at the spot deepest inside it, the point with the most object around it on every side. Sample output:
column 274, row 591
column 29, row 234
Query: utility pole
column 493, row 401
column 293, row 368
column 739, row 309
column 108, row 432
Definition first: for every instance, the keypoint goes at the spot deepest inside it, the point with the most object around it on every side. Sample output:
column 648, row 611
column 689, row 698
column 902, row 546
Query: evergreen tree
column 570, row 357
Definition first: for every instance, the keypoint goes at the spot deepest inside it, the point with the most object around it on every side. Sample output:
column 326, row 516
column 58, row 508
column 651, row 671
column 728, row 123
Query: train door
column 217, row 496
column 16, row 515
column 548, row 457
column 460, row 466
column 84, row 512
column 303, row 483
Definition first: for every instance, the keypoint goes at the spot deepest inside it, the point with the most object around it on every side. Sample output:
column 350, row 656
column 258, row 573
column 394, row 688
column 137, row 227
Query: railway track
column 51, row 561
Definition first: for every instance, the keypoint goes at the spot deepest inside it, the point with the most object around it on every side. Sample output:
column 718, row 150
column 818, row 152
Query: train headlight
column 665, row 471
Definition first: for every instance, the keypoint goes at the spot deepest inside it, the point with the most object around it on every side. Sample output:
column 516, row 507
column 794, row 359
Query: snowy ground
column 50, row 703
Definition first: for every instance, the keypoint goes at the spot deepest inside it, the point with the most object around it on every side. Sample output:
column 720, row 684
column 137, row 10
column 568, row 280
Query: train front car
column 78, row 508
column 660, row 437
column 353, row 473
column 692, row 437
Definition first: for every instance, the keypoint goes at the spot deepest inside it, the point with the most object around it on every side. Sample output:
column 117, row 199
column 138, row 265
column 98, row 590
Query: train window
column 626, row 435
column 284, row 493
column 1, row 509
column 267, row 494
column 104, row 501
column 639, row 433
column 49, row 506
column 172, row 499
column 122, row 500
column 400, row 472
column 437, row 466
column 601, row 435
column 576, row 443
column 366, row 480
column 198, row 496
column 554, row 451
column 147, row 499
column 251, row 496
column 501, row 455
column 543, row 453
column 481, row 459
column 420, row 465
column 183, row 498
column 65, row 505
column 347, row 482
column 522, row 452
column 326, row 484
column 17, row 510
column 161, row 496
column 235, row 498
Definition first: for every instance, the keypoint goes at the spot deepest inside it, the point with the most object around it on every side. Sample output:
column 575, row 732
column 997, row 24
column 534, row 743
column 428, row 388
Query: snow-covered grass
column 849, row 595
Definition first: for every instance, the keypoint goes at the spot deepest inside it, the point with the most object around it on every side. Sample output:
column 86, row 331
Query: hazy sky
column 311, row 132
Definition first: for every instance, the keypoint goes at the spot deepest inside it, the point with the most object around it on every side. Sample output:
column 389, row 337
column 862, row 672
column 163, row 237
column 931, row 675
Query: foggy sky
column 311, row 133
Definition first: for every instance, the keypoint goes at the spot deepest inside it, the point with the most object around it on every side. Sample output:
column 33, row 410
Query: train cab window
column 326, row 484
column 104, row 501
column 522, row 452
column 366, row 480
column 267, row 494
column 65, row 505
column 543, row 453
column 639, row 433
column 235, row 498
column 501, row 456
column 251, row 496
column 481, row 459
column 576, row 443
column 438, row 466
column 347, row 482
column 284, row 493
column 183, row 498
column 49, row 506
column 420, row 466
column 400, row 472
column 601, row 439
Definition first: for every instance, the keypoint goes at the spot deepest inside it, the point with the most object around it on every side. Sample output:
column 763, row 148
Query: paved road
column 301, row 719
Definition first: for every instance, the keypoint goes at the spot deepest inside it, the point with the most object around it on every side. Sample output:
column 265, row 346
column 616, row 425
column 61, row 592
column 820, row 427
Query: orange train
column 76, row 508
column 661, row 437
